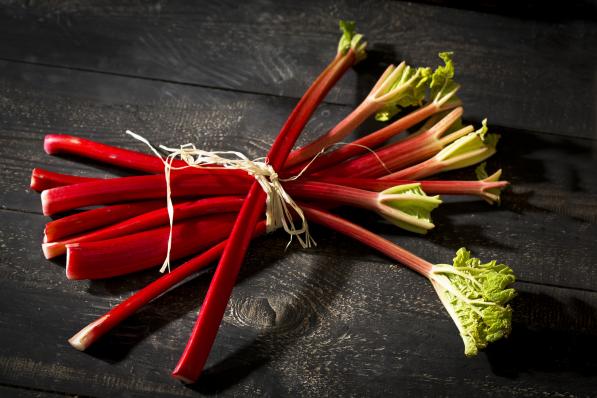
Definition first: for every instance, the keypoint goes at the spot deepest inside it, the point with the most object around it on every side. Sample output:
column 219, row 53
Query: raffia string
column 278, row 202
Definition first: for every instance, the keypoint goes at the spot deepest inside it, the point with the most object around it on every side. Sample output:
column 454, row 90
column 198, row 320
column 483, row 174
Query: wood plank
column 20, row 392
column 531, row 10
column 514, row 71
column 549, row 213
column 331, row 321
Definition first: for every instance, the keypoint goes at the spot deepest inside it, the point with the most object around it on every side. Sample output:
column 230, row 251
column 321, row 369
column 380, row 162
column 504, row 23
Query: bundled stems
column 149, row 220
column 142, row 250
column 96, row 329
column 96, row 218
column 197, row 350
column 134, row 235
column 393, row 83
column 375, row 139
column 410, row 150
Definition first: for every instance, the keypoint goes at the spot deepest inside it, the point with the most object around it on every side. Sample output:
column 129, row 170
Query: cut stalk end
column 53, row 249
column 86, row 336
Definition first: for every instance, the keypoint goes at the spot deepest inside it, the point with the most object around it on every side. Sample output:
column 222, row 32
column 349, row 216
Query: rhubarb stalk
column 142, row 250
column 406, row 206
column 197, row 350
column 410, row 150
column 474, row 294
column 149, row 220
column 96, row 329
column 96, row 218
column 465, row 151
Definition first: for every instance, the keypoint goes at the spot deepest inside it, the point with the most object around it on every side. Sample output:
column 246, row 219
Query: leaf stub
column 408, row 207
column 468, row 150
column 351, row 40
column 437, row 86
column 475, row 295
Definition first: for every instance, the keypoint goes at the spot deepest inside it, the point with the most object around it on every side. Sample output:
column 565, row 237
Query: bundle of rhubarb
column 185, row 206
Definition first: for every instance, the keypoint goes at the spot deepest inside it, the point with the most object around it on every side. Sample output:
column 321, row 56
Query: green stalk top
column 471, row 149
column 351, row 39
column 437, row 86
column 408, row 207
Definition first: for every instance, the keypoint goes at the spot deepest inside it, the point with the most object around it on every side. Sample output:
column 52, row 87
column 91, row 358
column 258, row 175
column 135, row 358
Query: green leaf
column 442, row 81
column 476, row 296
column 480, row 171
column 348, row 30
column 412, row 95
column 408, row 207
column 434, row 86
column 351, row 39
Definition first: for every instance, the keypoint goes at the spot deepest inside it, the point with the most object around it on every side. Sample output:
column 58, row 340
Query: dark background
column 338, row 320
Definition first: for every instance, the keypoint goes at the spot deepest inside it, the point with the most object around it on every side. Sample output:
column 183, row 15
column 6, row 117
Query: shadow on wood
column 562, row 341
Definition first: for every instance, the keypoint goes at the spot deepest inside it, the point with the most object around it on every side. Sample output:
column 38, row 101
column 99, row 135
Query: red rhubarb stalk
column 95, row 330
column 43, row 179
column 149, row 220
column 135, row 252
column 203, row 182
column 96, row 218
column 197, row 350
column 55, row 144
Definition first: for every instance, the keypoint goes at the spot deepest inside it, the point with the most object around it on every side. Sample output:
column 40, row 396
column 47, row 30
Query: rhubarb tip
column 351, row 40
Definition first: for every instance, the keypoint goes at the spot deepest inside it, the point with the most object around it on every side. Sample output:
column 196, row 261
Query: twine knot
column 278, row 212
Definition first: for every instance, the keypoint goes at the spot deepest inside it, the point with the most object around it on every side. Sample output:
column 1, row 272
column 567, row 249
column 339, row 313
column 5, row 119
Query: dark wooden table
column 338, row 320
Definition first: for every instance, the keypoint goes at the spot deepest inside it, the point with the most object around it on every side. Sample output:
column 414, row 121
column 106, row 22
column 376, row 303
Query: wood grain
column 553, row 196
column 338, row 320
column 516, row 72
column 27, row 392
column 327, row 322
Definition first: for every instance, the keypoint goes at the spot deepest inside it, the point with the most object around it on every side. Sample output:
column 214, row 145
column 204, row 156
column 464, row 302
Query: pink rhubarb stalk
column 468, row 150
column 475, row 294
column 371, row 141
column 393, row 83
column 413, row 149
column 407, row 206
column 488, row 188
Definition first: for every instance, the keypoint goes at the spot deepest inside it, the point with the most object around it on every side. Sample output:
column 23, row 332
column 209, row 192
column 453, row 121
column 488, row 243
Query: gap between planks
column 160, row 80
column 248, row 92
